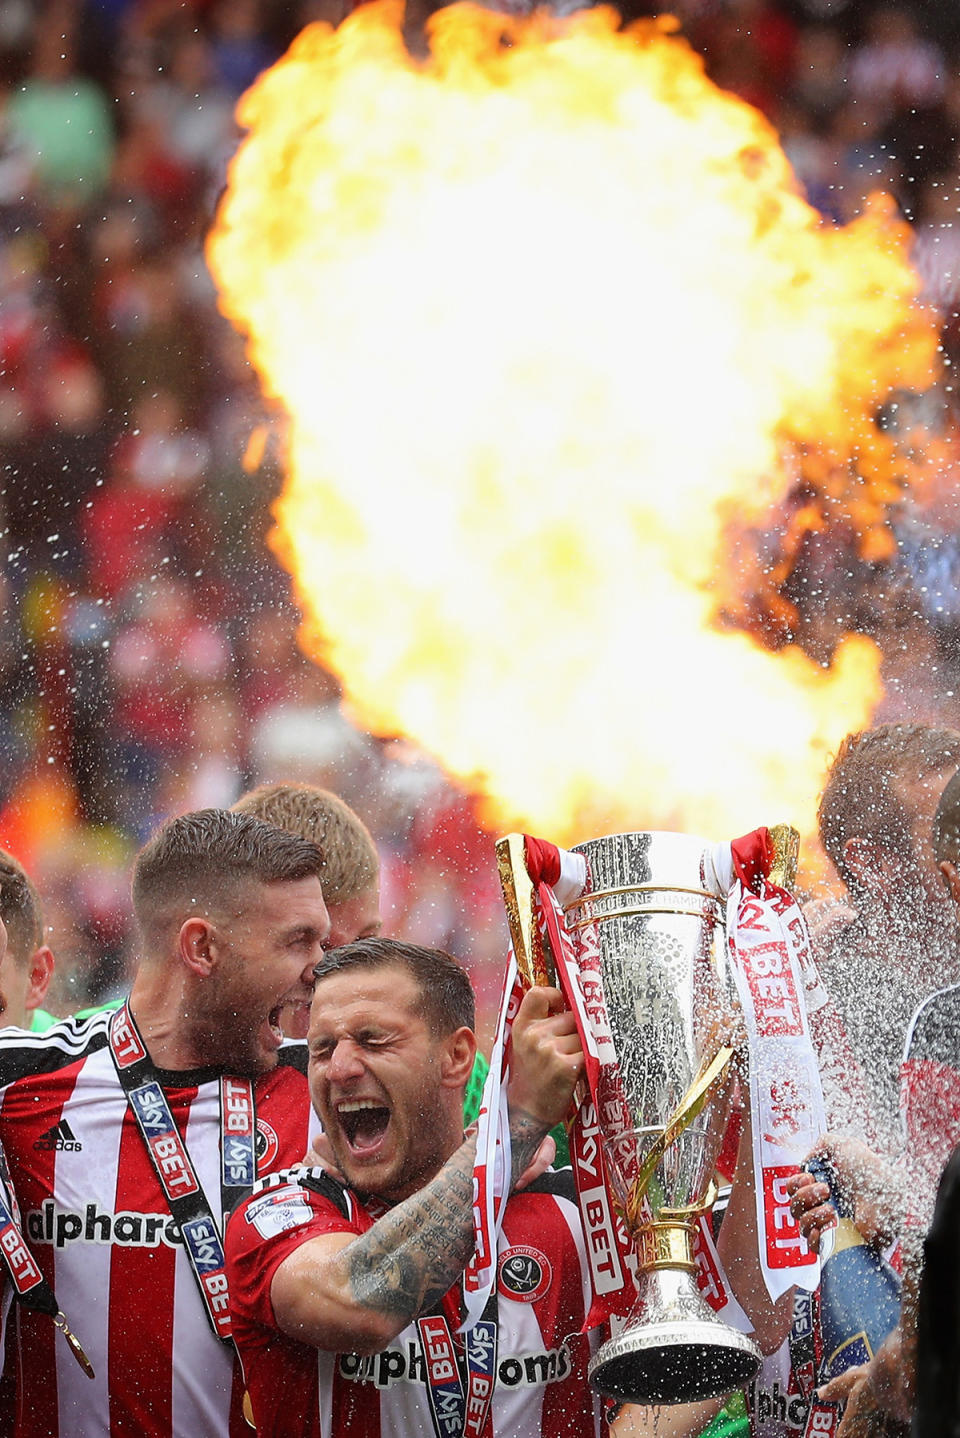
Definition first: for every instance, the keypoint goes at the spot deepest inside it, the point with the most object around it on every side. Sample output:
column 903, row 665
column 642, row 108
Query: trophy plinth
column 673, row 1349
column 658, row 939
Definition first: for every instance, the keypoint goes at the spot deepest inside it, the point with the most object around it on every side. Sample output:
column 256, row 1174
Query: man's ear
column 197, row 945
column 40, row 966
column 951, row 878
column 460, row 1050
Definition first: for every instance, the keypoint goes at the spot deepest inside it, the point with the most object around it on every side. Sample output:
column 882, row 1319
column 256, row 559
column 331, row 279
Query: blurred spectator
column 819, row 72
column 896, row 67
column 148, row 647
column 238, row 47
column 142, row 519
column 191, row 105
column 61, row 117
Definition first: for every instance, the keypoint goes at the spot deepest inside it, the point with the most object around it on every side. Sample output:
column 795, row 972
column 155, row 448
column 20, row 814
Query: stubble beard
column 217, row 1031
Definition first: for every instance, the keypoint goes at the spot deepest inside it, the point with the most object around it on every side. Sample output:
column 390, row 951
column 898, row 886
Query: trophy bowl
column 656, row 935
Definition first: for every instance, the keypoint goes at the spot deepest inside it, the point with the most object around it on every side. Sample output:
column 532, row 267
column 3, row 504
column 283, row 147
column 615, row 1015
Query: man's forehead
column 356, row 917
column 354, row 989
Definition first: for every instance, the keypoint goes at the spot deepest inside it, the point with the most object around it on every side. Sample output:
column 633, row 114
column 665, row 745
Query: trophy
column 659, row 933
column 653, row 929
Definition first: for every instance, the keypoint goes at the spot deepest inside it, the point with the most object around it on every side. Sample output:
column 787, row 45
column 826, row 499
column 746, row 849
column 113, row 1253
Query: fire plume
column 546, row 311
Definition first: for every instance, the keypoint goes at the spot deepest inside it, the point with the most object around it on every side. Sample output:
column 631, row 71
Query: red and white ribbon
column 602, row 1115
column 491, row 1171
column 712, row 1281
column 768, row 941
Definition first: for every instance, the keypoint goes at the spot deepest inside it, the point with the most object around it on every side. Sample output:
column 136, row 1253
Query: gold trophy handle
column 692, row 1103
column 532, row 959
column 786, row 856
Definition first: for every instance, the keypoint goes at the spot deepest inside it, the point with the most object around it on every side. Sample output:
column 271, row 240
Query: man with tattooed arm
column 346, row 1289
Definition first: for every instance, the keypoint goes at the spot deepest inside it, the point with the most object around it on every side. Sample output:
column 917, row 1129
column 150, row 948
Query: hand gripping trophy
column 640, row 941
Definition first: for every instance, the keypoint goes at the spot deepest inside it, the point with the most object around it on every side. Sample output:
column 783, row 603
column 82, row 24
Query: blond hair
column 351, row 864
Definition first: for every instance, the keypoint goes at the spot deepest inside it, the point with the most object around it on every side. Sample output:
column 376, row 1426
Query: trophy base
column 674, row 1363
column 673, row 1349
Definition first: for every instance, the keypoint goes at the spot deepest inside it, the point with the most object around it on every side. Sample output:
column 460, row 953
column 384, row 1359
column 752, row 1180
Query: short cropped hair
column 197, row 861
column 860, row 798
column 20, row 908
column 350, row 860
column 946, row 823
column 446, row 993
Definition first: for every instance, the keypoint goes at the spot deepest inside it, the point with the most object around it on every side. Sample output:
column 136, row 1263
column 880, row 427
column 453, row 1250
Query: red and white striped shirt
column 99, row 1226
column 541, row 1388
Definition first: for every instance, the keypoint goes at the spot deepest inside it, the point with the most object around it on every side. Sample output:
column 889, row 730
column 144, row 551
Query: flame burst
column 543, row 316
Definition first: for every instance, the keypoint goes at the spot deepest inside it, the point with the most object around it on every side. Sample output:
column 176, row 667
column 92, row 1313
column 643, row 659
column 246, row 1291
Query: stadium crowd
column 148, row 655
column 149, row 664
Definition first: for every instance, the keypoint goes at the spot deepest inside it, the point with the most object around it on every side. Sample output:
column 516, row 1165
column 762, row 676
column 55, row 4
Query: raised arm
column 355, row 1294
column 343, row 1292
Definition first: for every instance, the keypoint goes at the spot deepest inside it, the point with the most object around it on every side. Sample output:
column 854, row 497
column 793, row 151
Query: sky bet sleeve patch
column 278, row 1210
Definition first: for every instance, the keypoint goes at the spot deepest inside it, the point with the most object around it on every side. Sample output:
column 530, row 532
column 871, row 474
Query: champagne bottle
column 859, row 1291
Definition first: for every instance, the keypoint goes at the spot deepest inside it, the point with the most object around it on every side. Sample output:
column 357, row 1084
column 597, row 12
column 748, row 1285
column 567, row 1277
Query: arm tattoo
column 526, row 1135
column 413, row 1254
column 406, row 1262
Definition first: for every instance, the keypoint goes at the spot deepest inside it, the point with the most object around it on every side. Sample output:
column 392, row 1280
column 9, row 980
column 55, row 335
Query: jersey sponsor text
column 405, row 1365
column 63, row 1226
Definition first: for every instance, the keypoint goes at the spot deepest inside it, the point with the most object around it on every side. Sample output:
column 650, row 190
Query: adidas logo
column 60, row 1138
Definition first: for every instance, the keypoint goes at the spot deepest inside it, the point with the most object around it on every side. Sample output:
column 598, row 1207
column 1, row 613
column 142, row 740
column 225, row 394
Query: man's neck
column 156, row 1003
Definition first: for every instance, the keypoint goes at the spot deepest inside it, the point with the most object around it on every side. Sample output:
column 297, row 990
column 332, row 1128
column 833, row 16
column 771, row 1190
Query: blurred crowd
column 148, row 654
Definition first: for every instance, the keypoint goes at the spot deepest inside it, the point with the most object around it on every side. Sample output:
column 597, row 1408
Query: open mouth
column 274, row 1022
column 364, row 1123
column 290, row 1019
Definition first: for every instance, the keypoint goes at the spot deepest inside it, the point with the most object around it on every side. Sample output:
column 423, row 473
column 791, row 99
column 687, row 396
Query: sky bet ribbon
column 174, row 1168
column 460, row 1391
column 29, row 1284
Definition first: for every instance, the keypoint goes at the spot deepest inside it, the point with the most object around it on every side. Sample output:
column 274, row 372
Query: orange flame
column 544, row 316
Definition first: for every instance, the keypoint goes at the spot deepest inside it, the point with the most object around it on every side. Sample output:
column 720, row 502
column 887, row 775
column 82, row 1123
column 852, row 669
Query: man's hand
column 542, row 1160
column 320, row 1155
column 839, row 1389
column 878, row 1394
column 865, row 1180
column 546, row 1059
column 810, row 1206
column 545, row 1062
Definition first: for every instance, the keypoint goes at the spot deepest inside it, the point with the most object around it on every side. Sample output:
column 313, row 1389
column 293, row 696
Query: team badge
column 268, row 1146
column 524, row 1274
